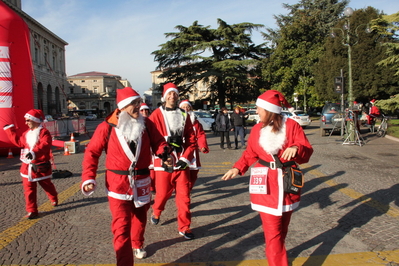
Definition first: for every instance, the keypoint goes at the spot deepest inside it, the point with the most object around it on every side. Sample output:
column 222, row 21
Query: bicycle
column 382, row 128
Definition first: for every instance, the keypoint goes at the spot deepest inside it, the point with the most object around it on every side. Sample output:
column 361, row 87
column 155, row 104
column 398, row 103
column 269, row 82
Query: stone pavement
column 349, row 213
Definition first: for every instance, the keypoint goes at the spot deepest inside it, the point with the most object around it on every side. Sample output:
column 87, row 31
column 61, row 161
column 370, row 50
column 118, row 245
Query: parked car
column 299, row 116
column 253, row 117
column 91, row 117
column 205, row 119
column 331, row 118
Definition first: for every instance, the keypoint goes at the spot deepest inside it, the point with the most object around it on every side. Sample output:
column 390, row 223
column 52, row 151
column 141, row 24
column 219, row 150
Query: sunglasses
column 28, row 120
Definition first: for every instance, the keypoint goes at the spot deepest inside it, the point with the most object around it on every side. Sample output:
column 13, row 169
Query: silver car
column 298, row 115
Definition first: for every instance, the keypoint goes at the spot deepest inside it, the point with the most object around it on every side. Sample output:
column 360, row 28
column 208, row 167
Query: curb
column 392, row 138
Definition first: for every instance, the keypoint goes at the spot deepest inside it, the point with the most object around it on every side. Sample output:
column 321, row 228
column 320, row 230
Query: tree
column 369, row 79
column 298, row 44
column 225, row 59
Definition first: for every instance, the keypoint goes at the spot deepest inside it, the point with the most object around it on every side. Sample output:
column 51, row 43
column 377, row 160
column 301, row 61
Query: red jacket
column 201, row 142
column 275, row 201
column 188, row 137
column 41, row 152
column 119, row 156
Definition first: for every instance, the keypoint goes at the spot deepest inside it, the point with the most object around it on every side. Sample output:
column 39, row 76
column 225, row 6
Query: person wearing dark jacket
column 238, row 121
column 223, row 126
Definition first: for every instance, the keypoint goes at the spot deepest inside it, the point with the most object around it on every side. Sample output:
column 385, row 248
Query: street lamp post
column 349, row 42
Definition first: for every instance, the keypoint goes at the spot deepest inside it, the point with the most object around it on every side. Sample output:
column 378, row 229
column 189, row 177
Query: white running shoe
column 140, row 253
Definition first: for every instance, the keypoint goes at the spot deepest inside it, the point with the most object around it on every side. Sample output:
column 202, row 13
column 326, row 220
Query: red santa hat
column 184, row 102
column 144, row 106
column 372, row 101
column 125, row 96
column 271, row 101
column 168, row 87
column 35, row 115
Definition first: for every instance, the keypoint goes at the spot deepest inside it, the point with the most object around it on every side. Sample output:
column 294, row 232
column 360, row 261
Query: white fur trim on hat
column 168, row 91
column 33, row 118
column 126, row 102
column 268, row 106
column 183, row 103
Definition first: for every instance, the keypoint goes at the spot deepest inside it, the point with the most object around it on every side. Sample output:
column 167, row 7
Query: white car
column 253, row 117
column 298, row 115
column 205, row 119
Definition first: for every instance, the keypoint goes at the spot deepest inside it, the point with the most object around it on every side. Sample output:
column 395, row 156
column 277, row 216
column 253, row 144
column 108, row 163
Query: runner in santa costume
column 284, row 138
column 177, row 129
column 127, row 138
column 200, row 137
column 35, row 144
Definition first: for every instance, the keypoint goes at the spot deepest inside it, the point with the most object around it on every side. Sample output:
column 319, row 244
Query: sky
column 118, row 36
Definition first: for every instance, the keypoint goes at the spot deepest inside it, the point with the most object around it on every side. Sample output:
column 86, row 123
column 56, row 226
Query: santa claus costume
column 35, row 144
column 374, row 112
column 200, row 138
column 127, row 142
column 266, row 184
column 177, row 129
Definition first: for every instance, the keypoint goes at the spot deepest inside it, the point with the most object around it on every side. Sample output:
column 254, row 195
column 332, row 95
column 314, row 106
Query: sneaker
column 32, row 215
column 140, row 253
column 54, row 203
column 187, row 234
column 154, row 220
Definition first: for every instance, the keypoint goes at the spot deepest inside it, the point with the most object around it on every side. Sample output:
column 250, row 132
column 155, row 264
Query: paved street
column 349, row 213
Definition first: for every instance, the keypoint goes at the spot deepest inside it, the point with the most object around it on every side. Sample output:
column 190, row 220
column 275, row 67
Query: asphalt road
column 349, row 213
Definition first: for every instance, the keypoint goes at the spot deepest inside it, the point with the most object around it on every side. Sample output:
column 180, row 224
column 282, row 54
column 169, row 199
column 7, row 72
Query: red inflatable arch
column 16, row 94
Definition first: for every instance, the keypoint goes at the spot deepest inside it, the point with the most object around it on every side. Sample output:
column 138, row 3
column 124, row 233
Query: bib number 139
column 258, row 184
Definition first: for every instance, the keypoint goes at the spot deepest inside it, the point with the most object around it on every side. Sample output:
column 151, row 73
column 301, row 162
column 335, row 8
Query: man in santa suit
column 374, row 112
column 177, row 129
column 35, row 144
column 128, row 139
column 276, row 136
column 200, row 137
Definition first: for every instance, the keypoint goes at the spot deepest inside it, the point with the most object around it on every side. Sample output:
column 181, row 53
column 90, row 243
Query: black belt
column 274, row 165
column 145, row 171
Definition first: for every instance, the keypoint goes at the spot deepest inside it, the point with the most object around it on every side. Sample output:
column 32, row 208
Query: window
column 83, row 90
column 82, row 81
column 71, row 90
column 95, row 89
column 95, row 80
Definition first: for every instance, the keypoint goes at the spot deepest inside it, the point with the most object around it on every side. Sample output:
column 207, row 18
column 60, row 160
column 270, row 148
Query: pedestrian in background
column 176, row 127
column 238, row 121
column 35, row 144
column 128, row 139
column 201, row 142
column 224, row 126
column 274, row 136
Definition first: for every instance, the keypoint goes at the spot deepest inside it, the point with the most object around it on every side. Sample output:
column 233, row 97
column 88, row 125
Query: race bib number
column 258, row 184
column 142, row 193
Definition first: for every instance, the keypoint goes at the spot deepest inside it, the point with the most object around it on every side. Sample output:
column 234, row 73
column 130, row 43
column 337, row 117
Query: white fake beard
column 32, row 137
column 272, row 142
column 175, row 122
column 192, row 116
column 131, row 128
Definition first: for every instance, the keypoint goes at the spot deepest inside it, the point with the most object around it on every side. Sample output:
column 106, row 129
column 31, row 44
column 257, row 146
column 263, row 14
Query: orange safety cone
column 72, row 138
column 66, row 151
column 10, row 156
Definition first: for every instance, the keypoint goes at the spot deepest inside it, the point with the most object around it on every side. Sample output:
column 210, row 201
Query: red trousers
column 193, row 178
column 128, row 227
column 275, row 229
column 30, row 192
column 165, row 184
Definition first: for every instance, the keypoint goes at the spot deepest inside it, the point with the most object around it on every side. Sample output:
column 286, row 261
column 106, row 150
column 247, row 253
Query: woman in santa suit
column 282, row 137
column 200, row 137
column 128, row 139
column 35, row 144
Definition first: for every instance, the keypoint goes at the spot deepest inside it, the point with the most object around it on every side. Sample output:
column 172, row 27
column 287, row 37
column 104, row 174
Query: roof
column 94, row 74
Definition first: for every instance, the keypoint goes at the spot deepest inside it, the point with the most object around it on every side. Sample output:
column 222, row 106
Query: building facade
column 94, row 91
column 48, row 59
column 200, row 91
